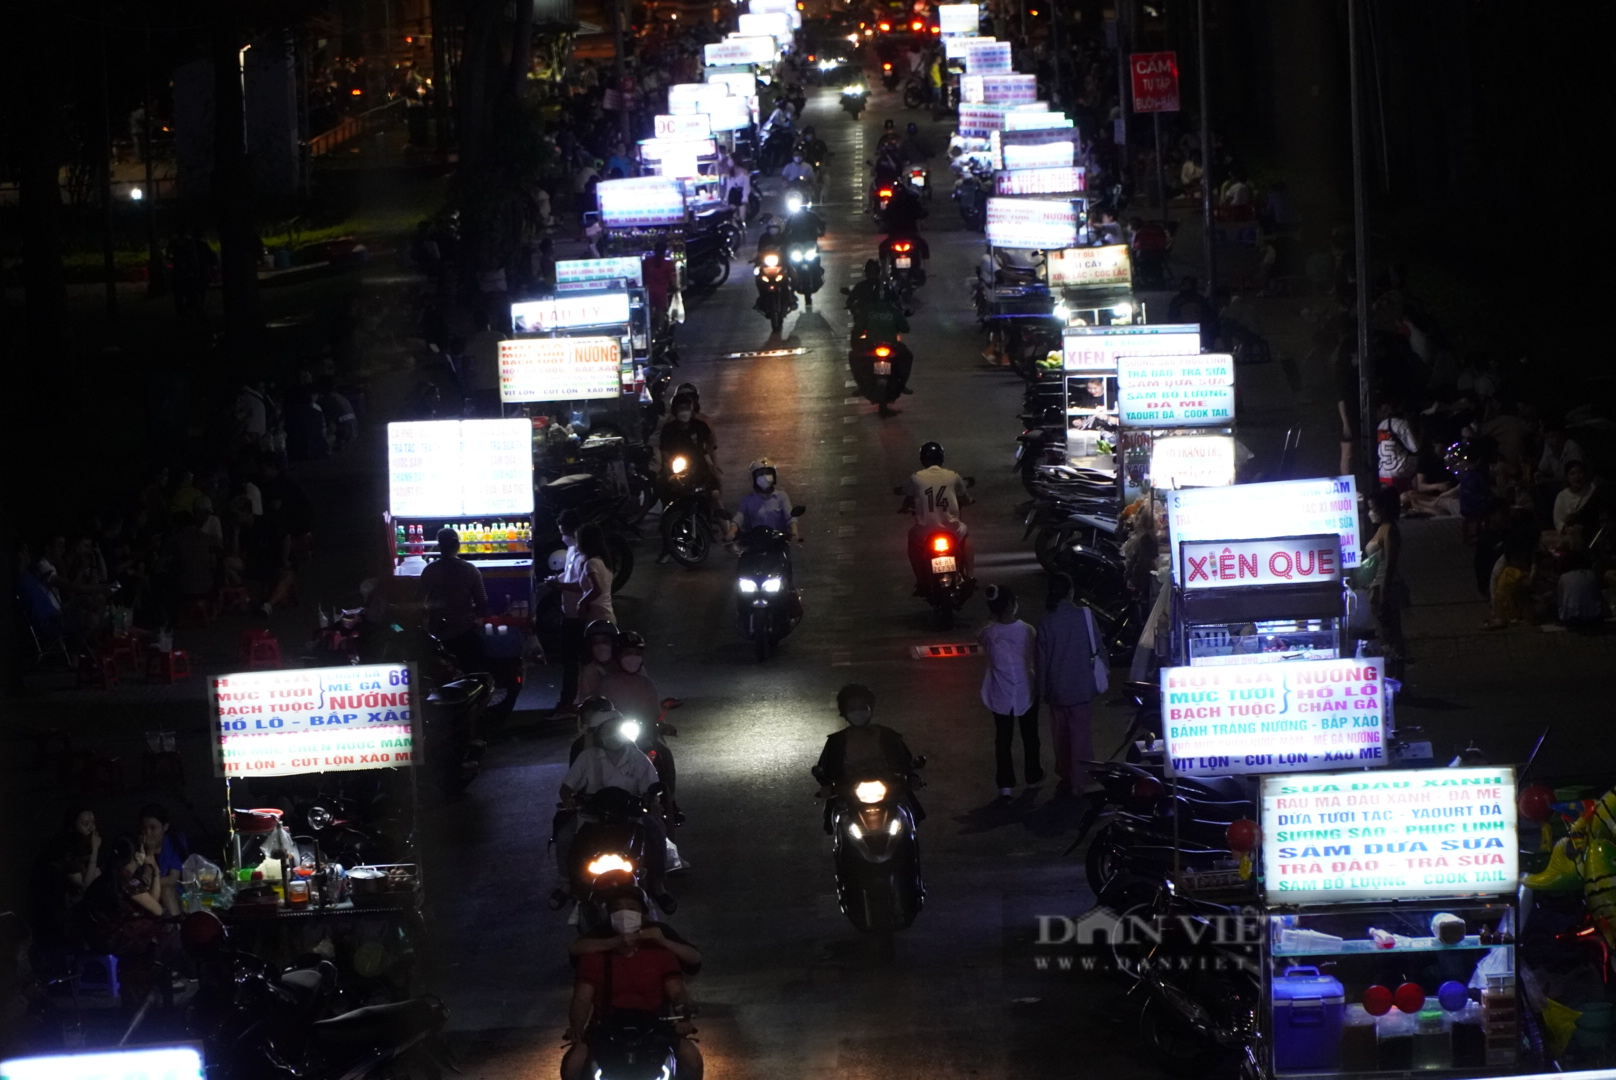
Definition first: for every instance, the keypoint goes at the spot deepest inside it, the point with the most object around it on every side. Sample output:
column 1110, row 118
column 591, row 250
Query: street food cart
column 1089, row 368
column 1159, row 397
column 472, row 476
column 586, row 312
column 292, row 746
column 1390, row 946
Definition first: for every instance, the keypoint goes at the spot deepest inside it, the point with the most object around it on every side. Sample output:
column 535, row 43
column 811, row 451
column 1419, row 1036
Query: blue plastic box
column 1307, row 1021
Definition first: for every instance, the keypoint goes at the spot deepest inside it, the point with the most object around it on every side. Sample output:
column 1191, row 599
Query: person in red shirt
column 659, row 274
column 638, row 978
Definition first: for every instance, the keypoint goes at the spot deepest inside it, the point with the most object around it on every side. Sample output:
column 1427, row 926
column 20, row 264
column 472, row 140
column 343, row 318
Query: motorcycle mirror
column 920, row 762
column 671, row 703
column 798, row 511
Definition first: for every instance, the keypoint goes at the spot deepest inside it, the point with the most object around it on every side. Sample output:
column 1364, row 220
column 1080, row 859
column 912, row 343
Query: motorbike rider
column 902, row 218
column 771, row 242
column 611, row 760
column 862, row 748
column 889, row 138
column 630, row 688
column 803, row 230
column 591, row 714
column 685, row 435
column 814, row 150
column 600, row 640
column 866, row 292
column 798, row 171
column 629, row 922
column 935, row 495
column 765, row 506
column 638, row 977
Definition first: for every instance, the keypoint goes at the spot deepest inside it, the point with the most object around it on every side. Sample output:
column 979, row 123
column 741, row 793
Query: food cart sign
column 1086, row 267
column 1236, row 719
column 1096, row 348
column 559, row 369
column 1175, row 391
column 622, row 271
column 1180, row 461
column 294, row 721
column 980, row 120
column 1010, row 89
column 688, row 126
column 662, row 149
column 732, row 112
column 569, row 310
column 457, row 468
column 687, row 99
column 1057, row 181
column 988, row 57
column 955, row 46
column 640, row 202
column 1033, row 117
column 741, row 84
column 1044, row 224
column 1247, row 564
column 1403, row 834
column 756, row 49
column 775, row 24
column 1257, row 511
column 144, row 1063
column 958, row 18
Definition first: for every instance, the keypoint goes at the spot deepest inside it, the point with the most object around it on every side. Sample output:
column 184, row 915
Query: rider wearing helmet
column 770, row 243
column 935, row 495
column 766, row 506
column 591, row 714
column 600, row 639
column 862, row 749
column 916, row 148
column 797, row 171
column 627, row 683
column 814, row 150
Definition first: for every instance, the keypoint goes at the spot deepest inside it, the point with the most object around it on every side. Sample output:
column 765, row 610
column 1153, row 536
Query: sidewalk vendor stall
column 475, row 477
column 1391, row 922
column 1260, row 568
column 1089, row 365
column 297, row 748
column 589, row 313
column 1159, row 397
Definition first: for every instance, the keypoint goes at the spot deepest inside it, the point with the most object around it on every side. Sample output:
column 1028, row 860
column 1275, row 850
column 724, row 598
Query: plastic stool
column 168, row 667
column 99, row 670
column 99, row 975
column 234, row 598
column 124, row 646
column 259, row 649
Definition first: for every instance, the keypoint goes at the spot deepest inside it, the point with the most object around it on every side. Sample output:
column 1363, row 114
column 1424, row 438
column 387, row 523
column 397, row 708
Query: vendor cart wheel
column 685, row 535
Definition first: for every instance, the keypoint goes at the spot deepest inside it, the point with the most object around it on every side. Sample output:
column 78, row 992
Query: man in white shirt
column 611, row 760
column 1570, row 505
column 934, row 495
column 798, row 172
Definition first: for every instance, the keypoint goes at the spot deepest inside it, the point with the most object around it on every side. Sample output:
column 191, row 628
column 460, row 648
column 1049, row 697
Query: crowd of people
column 225, row 527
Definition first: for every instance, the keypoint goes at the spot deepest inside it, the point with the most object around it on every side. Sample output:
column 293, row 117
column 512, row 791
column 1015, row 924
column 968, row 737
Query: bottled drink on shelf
column 401, row 541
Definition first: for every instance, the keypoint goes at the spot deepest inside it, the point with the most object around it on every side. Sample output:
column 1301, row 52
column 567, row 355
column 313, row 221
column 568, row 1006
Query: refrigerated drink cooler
column 501, row 546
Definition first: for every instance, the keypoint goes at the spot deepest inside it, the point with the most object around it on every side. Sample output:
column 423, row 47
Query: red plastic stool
column 168, row 667
column 259, row 649
column 124, row 646
column 98, row 669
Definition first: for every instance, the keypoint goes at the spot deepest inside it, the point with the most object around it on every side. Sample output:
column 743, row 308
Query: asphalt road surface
column 790, row 988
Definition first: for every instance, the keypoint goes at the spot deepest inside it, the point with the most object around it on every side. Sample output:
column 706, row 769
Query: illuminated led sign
column 1257, row 511
column 459, row 468
column 559, row 369
column 304, row 720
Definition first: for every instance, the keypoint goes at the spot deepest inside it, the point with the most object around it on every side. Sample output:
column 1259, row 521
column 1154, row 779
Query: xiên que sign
column 1290, row 560
column 1425, row 832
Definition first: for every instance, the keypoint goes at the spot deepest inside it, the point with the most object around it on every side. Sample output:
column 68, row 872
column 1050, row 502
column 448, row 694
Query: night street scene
column 786, row 539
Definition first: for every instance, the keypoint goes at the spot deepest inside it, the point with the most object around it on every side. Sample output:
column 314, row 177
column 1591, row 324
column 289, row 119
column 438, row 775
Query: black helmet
column 808, row 131
column 600, row 628
column 872, row 269
column 682, row 400
column 931, row 453
column 913, row 127
column 853, row 692
column 630, row 639
column 689, row 390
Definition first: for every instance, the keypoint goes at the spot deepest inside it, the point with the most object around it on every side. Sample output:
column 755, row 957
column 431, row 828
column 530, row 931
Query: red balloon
column 1410, row 997
column 1377, row 1001
column 1536, row 803
column 1243, row 835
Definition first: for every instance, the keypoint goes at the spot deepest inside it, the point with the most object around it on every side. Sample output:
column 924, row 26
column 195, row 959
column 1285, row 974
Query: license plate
column 919, row 181
column 883, row 367
column 943, row 564
column 902, row 262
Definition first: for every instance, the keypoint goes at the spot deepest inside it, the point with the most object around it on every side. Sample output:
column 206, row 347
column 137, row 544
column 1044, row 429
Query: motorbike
column 709, row 253
column 688, row 519
column 855, row 99
column 971, row 199
column 777, row 142
column 915, row 92
column 901, row 264
column 947, row 587
column 806, row 272
column 258, row 1020
column 634, row 1046
column 609, row 842
column 918, row 178
column 889, row 77
column 876, row 853
column 652, row 737
column 880, row 369
column 767, row 606
column 881, row 192
column 776, row 297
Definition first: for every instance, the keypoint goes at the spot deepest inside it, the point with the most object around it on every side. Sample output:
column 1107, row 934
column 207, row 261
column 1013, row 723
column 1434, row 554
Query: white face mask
column 603, row 653
column 626, row 921
column 764, row 482
column 631, row 663
column 859, row 717
column 683, row 416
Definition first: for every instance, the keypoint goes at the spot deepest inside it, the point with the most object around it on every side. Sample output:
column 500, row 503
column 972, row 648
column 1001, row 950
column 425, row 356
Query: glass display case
column 1210, row 644
column 1425, row 987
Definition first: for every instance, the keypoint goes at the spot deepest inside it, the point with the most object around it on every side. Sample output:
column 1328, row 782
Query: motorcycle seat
column 458, row 692
column 375, row 1025
column 564, row 483
column 303, row 982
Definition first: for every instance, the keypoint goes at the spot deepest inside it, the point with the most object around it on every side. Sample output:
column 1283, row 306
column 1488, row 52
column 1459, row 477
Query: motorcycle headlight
column 747, row 586
column 771, row 260
column 796, row 255
column 678, row 465
column 630, row 730
column 605, row 864
column 793, row 203
column 772, row 585
column 896, row 826
column 870, row 791
column 855, row 830
column 810, row 255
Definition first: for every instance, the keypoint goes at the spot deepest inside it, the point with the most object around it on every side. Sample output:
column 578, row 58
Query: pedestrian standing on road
column 595, row 602
column 1011, row 647
column 569, row 583
column 1388, row 595
column 455, row 598
column 1068, row 651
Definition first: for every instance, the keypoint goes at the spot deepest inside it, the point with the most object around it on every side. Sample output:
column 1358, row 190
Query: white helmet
column 762, row 465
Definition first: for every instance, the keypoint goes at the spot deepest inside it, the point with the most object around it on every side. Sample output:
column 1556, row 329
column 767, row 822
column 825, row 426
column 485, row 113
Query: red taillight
column 884, row 28
column 882, row 350
column 942, row 543
column 900, row 247
column 917, row 26
column 885, row 193
column 937, row 29
column 1144, row 793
